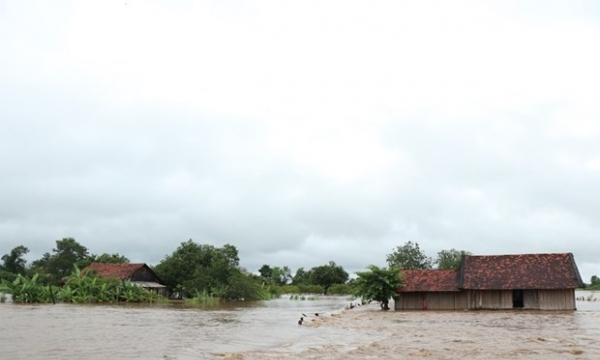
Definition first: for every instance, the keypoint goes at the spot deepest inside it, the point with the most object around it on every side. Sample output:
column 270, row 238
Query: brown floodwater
column 270, row 330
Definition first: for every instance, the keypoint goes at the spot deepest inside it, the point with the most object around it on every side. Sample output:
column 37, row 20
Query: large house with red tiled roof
column 139, row 274
column 524, row 281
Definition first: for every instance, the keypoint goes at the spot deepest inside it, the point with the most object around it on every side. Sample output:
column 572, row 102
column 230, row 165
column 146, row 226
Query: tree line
column 196, row 270
column 191, row 271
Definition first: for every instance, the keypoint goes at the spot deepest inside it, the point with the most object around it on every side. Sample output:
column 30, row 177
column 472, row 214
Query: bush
column 203, row 298
column 340, row 289
column 311, row 289
column 289, row 289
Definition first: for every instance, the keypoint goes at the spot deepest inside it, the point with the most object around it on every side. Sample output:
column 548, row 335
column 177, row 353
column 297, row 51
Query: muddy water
column 269, row 330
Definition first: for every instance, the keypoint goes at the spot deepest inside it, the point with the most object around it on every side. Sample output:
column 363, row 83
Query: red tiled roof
column 429, row 280
column 524, row 271
column 122, row 270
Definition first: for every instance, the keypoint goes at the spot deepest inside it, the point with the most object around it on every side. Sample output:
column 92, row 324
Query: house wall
column 143, row 274
column 409, row 301
column 489, row 299
column 532, row 299
column 556, row 299
column 434, row 301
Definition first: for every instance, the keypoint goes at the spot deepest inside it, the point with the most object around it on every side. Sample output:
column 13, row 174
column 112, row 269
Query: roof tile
column 430, row 280
column 121, row 270
column 523, row 271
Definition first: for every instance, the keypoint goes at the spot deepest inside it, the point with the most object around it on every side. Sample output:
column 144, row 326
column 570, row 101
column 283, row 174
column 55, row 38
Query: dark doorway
column 517, row 298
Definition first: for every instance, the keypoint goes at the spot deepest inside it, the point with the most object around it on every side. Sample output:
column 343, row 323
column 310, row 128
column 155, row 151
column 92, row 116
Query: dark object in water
column 316, row 314
column 304, row 315
column 300, row 321
column 51, row 294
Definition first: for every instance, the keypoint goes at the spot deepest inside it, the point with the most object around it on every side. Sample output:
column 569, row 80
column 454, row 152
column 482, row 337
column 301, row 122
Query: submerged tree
column 594, row 283
column 328, row 275
column 194, row 269
column 378, row 284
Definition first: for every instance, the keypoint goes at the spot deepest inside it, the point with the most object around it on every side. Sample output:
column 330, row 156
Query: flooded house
column 523, row 281
column 139, row 274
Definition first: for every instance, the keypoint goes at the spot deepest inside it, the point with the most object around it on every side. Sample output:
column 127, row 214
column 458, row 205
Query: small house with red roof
column 523, row 281
column 139, row 274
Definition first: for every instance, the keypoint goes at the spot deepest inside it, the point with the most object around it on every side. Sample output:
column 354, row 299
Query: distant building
column 140, row 274
column 524, row 281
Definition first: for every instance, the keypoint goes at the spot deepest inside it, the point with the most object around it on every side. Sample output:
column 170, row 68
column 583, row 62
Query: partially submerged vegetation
column 594, row 284
column 378, row 284
column 202, row 274
column 78, row 288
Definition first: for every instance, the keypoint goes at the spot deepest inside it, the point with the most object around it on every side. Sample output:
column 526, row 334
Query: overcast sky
column 301, row 132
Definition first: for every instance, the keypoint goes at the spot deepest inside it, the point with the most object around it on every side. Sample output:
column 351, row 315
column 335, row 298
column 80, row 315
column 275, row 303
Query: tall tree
column 286, row 275
column 302, row 277
column 275, row 274
column 193, row 268
column 450, row 259
column 59, row 264
column 14, row 262
column 327, row 275
column 179, row 270
column 266, row 272
column 378, row 284
column 409, row 256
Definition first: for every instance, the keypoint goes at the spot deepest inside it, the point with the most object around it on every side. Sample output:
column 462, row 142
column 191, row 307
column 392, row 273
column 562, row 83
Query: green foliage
column 450, row 259
column 409, row 256
column 191, row 266
column 311, row 289
column 196, row 269
column 14, row 262
column 27, row 290
column 242, row 286
column 289, row 289
column 276, row 275
column 203, row 299
column 79, row 287
column 266, row 272
column 55, row 266
column 594, row 283
column 328, row 275
column 340, row 289
column 378, row 284
column 107, row 258
column 302, row 277
column 8, row 276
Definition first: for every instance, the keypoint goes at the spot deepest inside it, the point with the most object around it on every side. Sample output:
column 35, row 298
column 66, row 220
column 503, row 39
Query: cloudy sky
column 301, row 132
